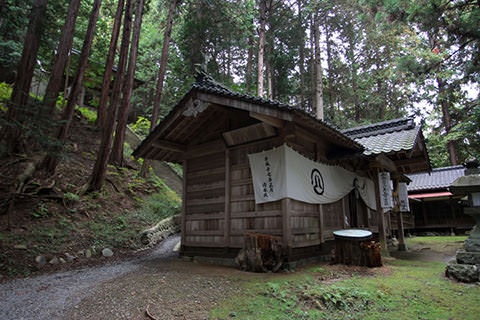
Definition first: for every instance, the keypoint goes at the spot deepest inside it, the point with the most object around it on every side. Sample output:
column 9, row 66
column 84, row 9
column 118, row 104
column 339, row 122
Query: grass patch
column 412, row 290
column 435, row 240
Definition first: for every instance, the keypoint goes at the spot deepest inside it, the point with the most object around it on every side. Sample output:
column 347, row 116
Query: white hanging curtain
column 284, row 173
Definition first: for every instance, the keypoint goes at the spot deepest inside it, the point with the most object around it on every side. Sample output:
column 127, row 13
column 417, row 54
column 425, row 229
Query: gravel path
column 173, row 288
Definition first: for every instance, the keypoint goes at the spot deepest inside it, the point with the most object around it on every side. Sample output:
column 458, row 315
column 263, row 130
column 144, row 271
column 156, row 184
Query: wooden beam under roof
column 274, row 122
column 245, row 105
column 383, row 162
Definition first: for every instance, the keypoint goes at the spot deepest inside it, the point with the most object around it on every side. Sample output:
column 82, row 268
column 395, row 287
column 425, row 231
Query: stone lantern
column 468, row 259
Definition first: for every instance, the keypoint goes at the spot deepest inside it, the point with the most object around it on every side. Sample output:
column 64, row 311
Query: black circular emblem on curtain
column 317, row 182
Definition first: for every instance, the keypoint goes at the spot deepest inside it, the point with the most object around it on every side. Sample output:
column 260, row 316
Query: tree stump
column 371, row 254
column 260, row 253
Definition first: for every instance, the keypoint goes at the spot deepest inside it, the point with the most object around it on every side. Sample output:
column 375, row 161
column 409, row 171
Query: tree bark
column 248, row 72
column 268, row 69
column 100, row 169
column 63, row 51
column 353, row 79
column 301, row 61
column 23, row 81
column 198, row 40
column 117, row 151
column 2, row 5
column 261, row 46
column 318, row 70
column 447, row 120
column 312, row 67
column 107, row 75
column 331, row 92
column 51, row 161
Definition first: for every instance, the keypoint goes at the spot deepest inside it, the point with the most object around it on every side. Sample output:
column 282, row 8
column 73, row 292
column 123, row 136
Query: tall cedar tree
column 51, row 161
column 248, row 72
column 64, row 48
column 100, row 169
column 107, row 75
column 261, row 45
column 301, row 61
column 318, row 69
column 161, row 75
column 26, row 67
column 117, row 151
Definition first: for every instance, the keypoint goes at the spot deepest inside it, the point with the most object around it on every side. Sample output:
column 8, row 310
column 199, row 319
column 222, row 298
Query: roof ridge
column 383, row 127
column 448, row 168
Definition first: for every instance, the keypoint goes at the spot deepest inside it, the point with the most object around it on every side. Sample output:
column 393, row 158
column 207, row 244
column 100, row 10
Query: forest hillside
column 55, row 221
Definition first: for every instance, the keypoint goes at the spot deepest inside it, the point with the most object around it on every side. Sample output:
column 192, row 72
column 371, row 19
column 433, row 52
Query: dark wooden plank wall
column 245, row 215
column 204, row 206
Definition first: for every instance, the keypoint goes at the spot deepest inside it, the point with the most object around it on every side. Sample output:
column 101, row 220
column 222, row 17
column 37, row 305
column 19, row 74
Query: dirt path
column 174, row 289
column 443, row 252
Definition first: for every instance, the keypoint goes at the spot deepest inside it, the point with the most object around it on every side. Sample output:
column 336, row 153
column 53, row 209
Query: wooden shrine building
column 214, row 130
column 433, row 206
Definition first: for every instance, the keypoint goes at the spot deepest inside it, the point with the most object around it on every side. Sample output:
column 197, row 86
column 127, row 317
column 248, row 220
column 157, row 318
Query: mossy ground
column 403, row 289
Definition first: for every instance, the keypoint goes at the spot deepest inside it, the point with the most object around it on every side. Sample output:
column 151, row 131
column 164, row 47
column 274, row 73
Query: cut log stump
column 261, row 253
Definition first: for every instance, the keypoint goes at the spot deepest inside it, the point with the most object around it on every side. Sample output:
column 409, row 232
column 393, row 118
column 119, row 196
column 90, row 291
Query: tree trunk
column 107, row 75
column 63, row 51
column 198, row 40
column 268, row 69
column 331, row 94
column 100, row 169
column 117, row 151
column 261, row 46
column 447, row 120
column 161, row 77
column 2, row 6
column 261, row 253
column 163, row 65
column 353, row 79
column 312, row 67
column 51, row 161
column 301, row 61
column 23, row 81
column 318, row 70
column 248, row 72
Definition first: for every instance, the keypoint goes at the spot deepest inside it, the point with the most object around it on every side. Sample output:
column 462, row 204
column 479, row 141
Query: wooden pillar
column 454, row 216
column 368, row 218
column 402, row 246
column 344, row 211
column 226, row 222
column 380, row 217
column 184, row 203
column 424, row 213
column 401, row 236
column 286, row 226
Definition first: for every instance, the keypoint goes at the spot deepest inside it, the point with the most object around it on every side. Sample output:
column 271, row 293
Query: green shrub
column 88, row 114
column 141, row 127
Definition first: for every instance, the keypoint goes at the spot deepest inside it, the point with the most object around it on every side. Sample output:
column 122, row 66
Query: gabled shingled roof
column 439, row 178
column 206, row 84
column 387, row 136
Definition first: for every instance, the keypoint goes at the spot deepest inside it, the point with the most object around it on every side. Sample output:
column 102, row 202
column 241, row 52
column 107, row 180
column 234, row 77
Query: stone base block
column 465, row 257
column 472, row 245
column 463, row 272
